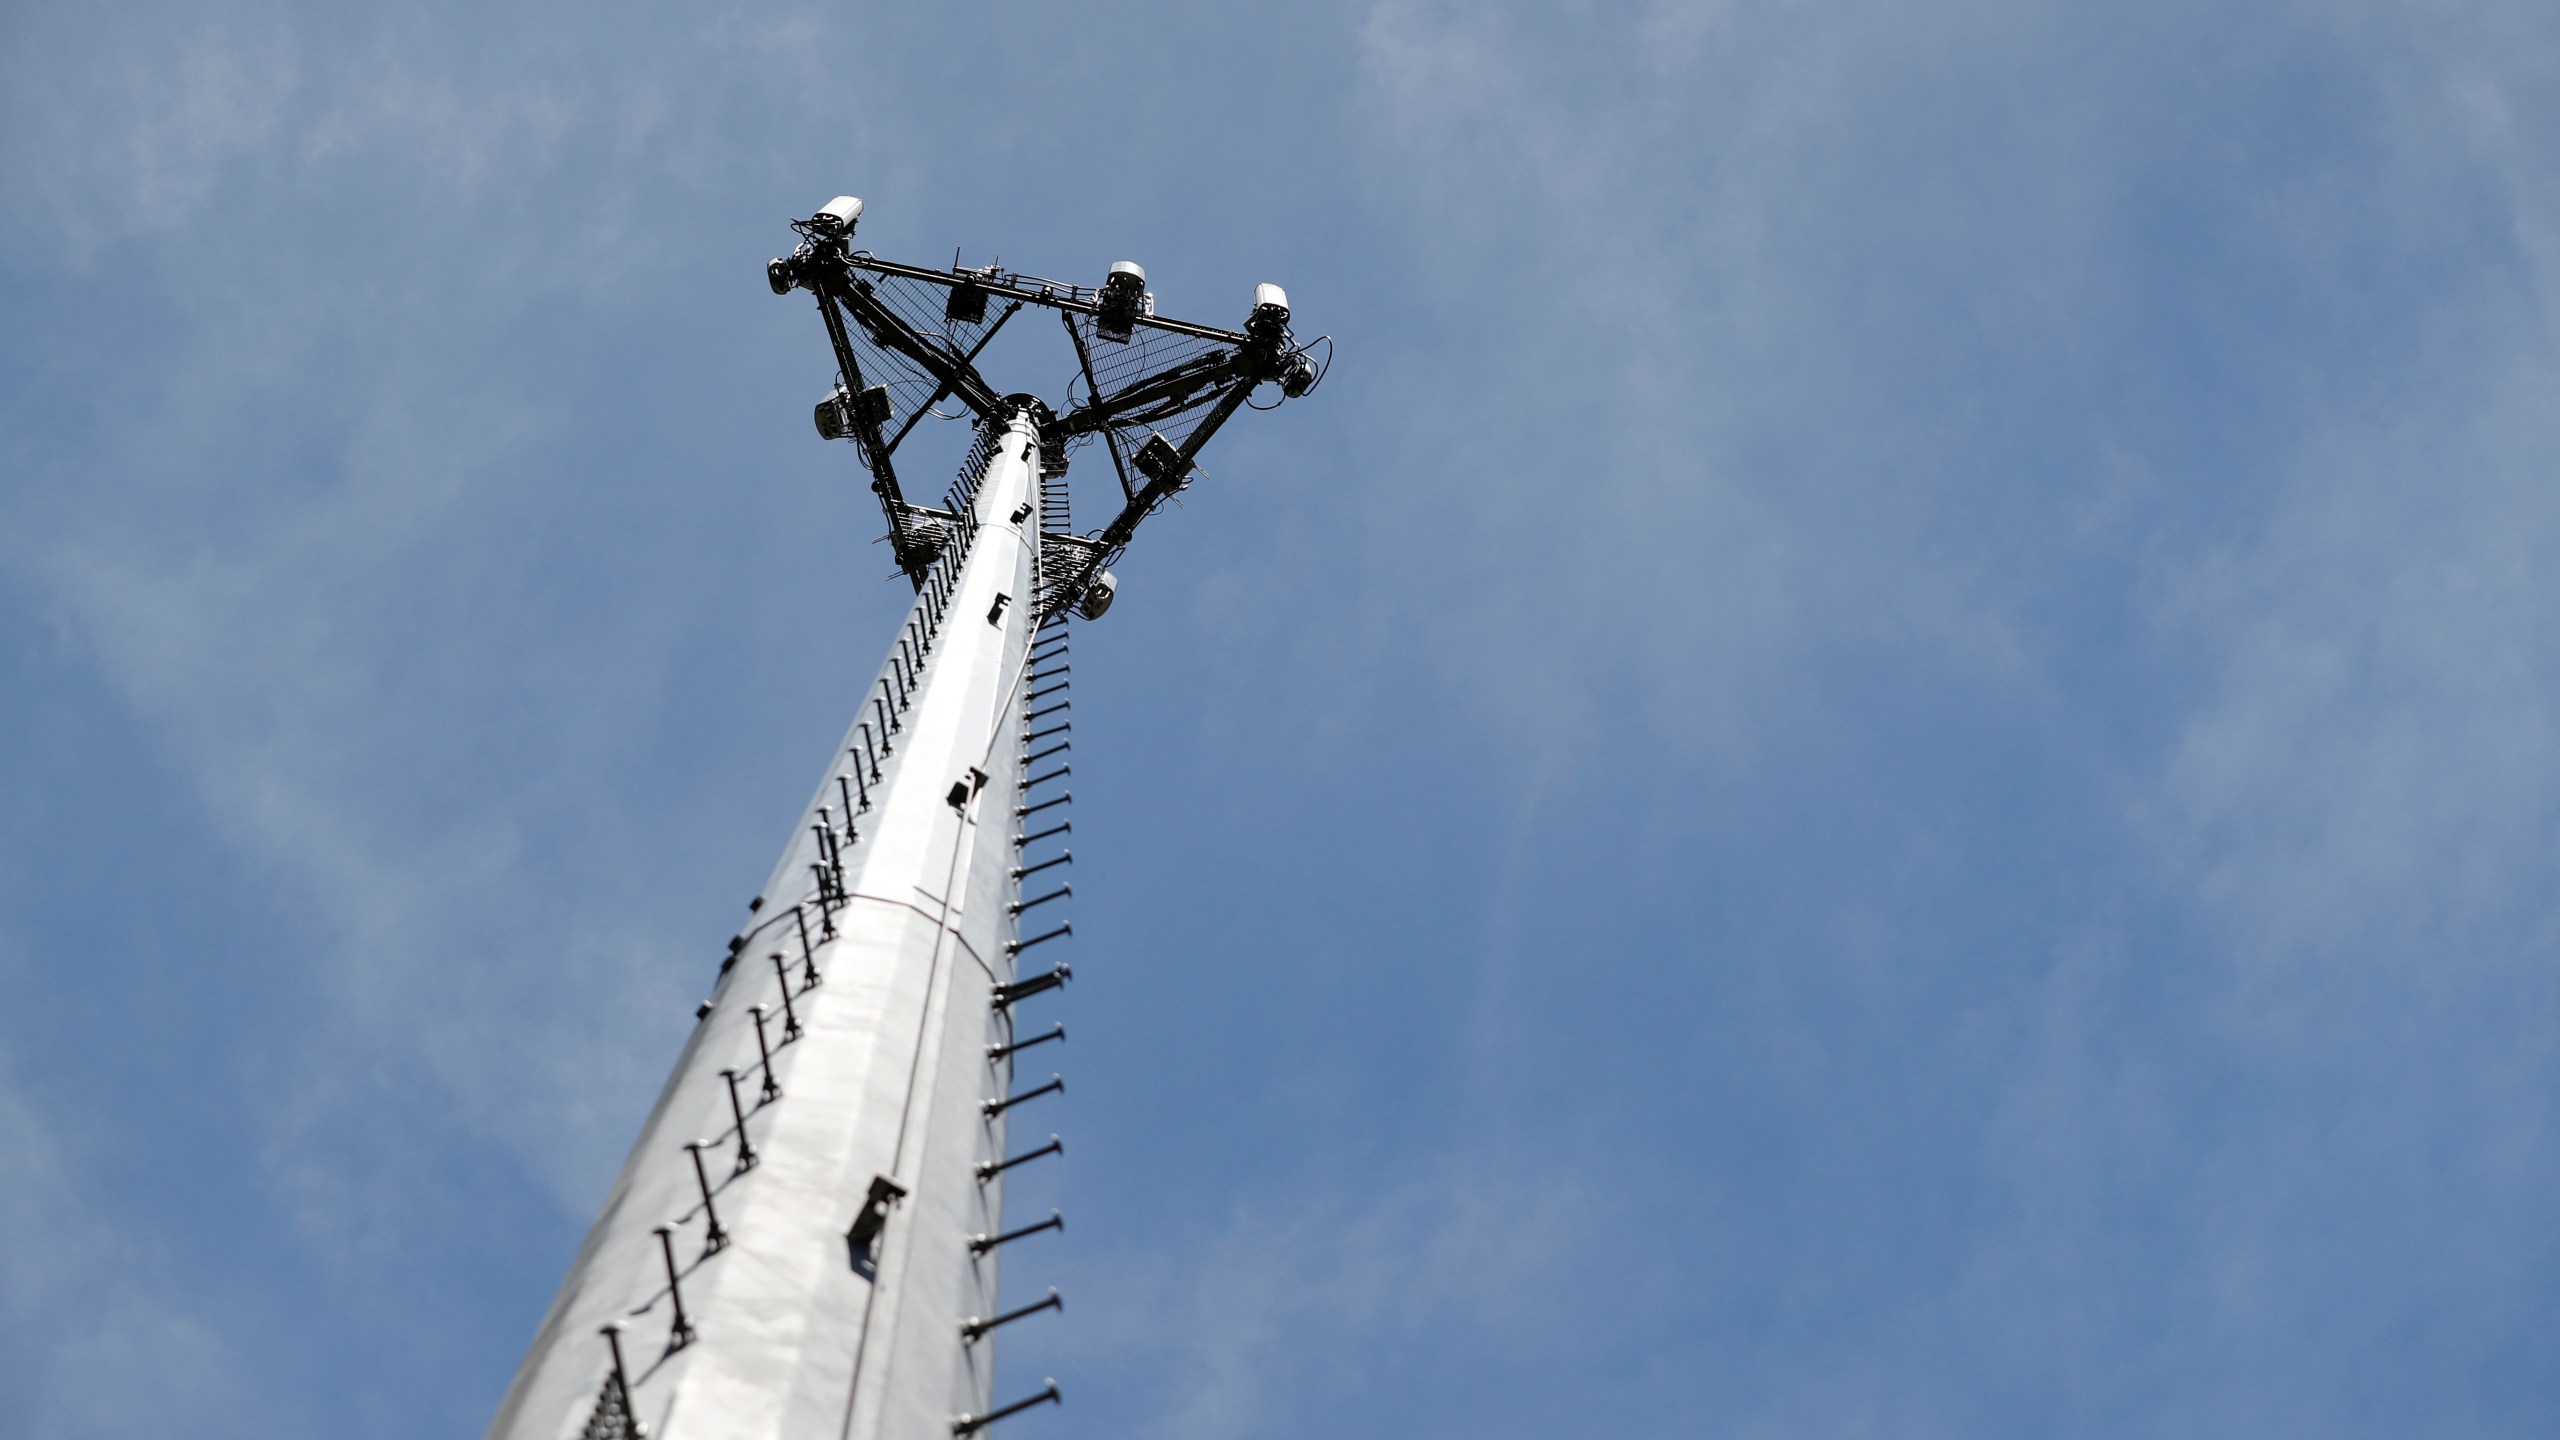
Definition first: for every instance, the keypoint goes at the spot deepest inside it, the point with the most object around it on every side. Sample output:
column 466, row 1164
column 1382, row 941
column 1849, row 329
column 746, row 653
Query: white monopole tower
column 806, row 1239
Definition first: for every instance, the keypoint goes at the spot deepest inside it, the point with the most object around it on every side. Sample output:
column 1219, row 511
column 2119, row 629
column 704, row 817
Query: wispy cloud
column 1236, row 1329
column 123, row 1346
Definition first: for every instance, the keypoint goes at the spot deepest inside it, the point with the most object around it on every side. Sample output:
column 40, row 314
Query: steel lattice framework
column 805, row 1240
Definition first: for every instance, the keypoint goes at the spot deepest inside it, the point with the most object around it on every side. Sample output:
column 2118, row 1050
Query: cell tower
column 805, row 1240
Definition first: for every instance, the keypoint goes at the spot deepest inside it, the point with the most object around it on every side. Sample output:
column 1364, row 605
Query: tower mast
column 807, row 1236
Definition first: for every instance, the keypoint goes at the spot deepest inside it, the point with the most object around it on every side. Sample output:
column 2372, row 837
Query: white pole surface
column 790, row 1341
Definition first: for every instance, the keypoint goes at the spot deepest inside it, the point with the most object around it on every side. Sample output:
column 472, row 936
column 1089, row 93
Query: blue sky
column 1880, row 763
